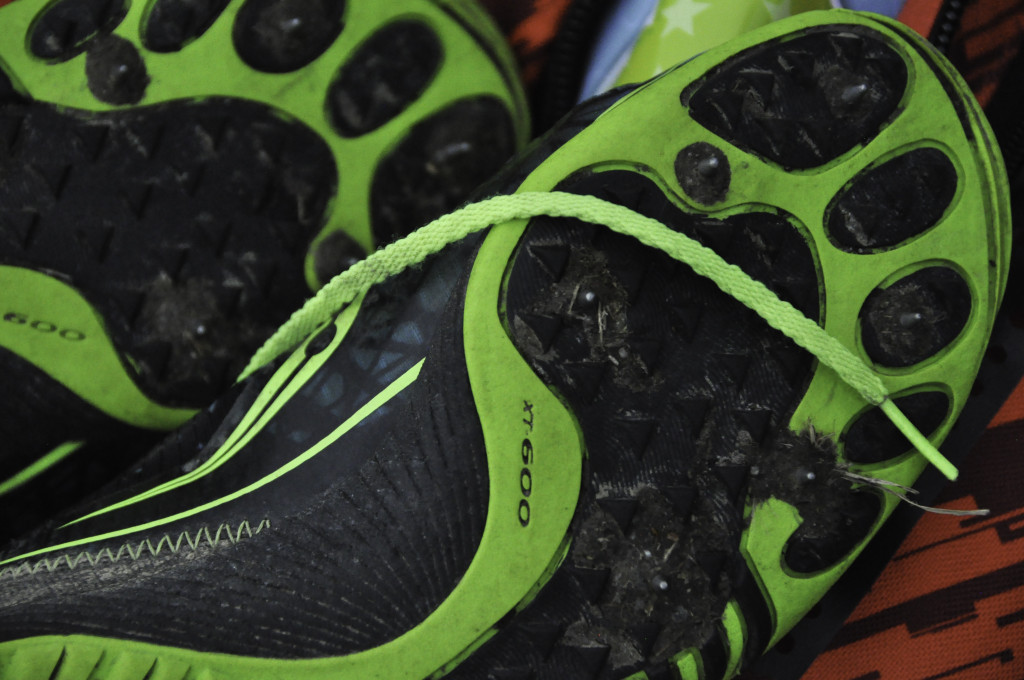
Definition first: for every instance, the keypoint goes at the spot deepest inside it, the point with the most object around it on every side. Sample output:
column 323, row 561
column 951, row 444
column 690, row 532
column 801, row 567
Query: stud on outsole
column 915, row 317
column 115, row 71
column 892, row 202
column 703, row 173
column 437, row 164
column 171, row 24
column 67, row 27
column 384, row 76
column 279, row 36
column 804, row 102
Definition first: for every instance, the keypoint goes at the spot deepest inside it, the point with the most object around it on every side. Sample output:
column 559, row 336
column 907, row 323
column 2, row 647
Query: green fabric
column 455, row 226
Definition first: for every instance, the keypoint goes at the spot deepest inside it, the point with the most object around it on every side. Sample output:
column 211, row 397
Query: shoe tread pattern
column 218, row 199
column 385, row 74
column 279, row 36
column 915, row 317
column 806, row 102
column 675, row 363
column 437, row 164
column 446, row 153
column 191, row 263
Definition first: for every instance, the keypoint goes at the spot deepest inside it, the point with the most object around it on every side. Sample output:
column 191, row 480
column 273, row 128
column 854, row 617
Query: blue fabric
column 614, row 44
column 889, row 8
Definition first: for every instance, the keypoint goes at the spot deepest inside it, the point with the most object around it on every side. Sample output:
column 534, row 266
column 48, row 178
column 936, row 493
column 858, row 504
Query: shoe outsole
column 186, row 170
column 712, row 511
column 690, row 440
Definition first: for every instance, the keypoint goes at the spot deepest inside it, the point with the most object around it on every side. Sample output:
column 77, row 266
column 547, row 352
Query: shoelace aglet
column 920, row 442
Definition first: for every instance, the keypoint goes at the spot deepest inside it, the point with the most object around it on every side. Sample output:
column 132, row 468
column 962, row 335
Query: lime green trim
column 790, row 596
column 40, row 466
column 771, row 525
column 384, row 396
column 285, row 383
column 735, row 629
column 534, row 446
column 49, row 324
column 690, row 665
column 987, row 155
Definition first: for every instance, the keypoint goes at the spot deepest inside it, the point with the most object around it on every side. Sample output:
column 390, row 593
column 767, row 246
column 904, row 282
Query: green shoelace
column 430, row 239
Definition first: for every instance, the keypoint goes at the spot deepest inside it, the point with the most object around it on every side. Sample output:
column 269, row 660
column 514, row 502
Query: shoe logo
column 45, row 327
column 525, row 476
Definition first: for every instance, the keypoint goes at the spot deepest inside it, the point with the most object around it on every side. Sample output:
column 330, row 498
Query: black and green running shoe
column 630, row 417
column 176, row 175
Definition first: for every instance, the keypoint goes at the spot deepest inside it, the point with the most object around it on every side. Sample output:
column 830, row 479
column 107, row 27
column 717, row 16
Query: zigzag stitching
column 135, row 551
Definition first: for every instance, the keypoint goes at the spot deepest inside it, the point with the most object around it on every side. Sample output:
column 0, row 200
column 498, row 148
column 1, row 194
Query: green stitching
column 193, row 541
column 455, row 226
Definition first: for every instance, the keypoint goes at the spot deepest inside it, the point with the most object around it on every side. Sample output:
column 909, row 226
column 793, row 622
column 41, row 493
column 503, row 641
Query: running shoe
column 629, row 416
column 178, row 174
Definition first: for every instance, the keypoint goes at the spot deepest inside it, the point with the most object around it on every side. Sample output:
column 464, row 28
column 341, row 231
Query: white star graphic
column 681, row 13
column 778, row 9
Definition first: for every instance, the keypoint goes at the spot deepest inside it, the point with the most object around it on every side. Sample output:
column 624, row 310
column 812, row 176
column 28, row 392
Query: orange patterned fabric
column 950, row 604
column 530, row 26
column 920, row 14
column 990, row 36
column 1012, row 410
